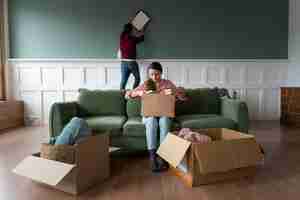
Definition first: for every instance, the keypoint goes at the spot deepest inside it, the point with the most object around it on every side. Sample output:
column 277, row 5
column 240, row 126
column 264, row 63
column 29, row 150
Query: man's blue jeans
column 128, row 67
column 152, row 125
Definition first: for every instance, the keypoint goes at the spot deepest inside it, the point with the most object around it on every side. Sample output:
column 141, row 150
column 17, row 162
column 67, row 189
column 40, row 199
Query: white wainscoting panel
column 215, row 74
column 73, row 78
column 30, row 79
column 52, row 78
column 253, row 99
column 113, row 76
column 48, row 99
column 254, row 75
column 41, row 82
column 193, row 73
column 94, row 78
column 271, row 110
column 235, row 74
column 70, row 96
column 33, row 107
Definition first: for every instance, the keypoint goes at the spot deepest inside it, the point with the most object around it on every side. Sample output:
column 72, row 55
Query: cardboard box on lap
column 156, row 105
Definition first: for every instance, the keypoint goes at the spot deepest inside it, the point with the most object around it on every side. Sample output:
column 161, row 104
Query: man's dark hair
column 127, row 28
column 156, row 66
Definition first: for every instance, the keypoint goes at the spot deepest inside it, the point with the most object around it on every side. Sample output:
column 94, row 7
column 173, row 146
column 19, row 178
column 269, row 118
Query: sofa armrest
column 236, row 110
column 60, row 115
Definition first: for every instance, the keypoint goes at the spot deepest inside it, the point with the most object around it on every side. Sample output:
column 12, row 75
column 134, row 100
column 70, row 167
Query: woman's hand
column 128, row 95
column 168, row 91
column 139, row 93
column 131, row 94
column 181, row 94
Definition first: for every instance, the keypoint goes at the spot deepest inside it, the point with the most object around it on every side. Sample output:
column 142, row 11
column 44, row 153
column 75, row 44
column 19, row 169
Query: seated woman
column 152, row 124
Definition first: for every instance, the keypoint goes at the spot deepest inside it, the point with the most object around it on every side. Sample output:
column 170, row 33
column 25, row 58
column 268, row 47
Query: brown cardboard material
column 231, row 154
column 62, row 153
column 91, row 167
column 156, row 105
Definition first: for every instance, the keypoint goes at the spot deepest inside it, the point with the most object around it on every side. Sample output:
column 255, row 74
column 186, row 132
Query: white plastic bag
column 119, row 54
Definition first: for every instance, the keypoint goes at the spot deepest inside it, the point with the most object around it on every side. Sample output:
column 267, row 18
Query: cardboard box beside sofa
column 231, row 154
column 91, row 167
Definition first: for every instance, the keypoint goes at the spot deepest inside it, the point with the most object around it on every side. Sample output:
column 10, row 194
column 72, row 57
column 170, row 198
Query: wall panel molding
column 41, row 82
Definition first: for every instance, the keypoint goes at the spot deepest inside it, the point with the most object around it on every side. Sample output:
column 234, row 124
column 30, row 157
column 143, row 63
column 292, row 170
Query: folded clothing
column 195, row 137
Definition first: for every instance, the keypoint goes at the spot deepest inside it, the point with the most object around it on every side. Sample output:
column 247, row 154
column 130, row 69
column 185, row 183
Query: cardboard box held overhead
column 91, row 167
column 156, row 105
column 231, row 154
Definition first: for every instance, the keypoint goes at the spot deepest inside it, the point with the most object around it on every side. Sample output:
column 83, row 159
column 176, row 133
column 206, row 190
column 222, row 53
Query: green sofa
column 109, row 111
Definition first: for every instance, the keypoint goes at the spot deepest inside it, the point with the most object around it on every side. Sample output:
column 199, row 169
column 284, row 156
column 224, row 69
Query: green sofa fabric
column 108, row 111
column 133, row 108
column 113, row 124
column 134, row 127
column 237, row 111
column 101, row 102
column 200, row 101
column 60, row 114
column 205, row 121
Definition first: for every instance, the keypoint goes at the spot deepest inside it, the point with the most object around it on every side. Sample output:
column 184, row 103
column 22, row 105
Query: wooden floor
column 131, row 179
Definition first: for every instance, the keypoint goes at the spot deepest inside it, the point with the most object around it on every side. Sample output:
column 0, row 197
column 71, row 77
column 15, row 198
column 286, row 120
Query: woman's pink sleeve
column 137, row 92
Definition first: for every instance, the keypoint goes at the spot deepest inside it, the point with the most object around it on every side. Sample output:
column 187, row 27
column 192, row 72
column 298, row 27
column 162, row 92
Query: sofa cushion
column 205, row 121
column 111, row 123
column 133, row 108
column 134, row 127
column 101, row 102
column 200, row 101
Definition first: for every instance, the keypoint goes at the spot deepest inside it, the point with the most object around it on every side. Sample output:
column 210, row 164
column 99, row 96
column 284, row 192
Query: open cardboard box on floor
column 156, row 105
column 230, row 155
column 91, row 167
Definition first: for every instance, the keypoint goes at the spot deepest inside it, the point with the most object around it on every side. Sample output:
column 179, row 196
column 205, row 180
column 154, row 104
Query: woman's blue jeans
column 152, row 125
column 128, row 67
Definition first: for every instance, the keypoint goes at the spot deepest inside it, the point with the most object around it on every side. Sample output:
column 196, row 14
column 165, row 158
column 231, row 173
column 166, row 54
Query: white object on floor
column 112, row 149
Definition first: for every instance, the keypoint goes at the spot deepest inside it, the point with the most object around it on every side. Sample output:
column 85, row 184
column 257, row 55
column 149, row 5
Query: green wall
column 208, row 29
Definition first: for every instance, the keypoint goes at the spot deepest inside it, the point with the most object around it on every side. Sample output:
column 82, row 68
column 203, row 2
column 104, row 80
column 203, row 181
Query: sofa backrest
column 201, row 101
column 101, row 102
column 133, row 107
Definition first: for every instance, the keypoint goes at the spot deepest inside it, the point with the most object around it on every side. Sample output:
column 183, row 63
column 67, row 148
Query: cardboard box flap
column 229, row 134
column 173, row 149
column 43, row 170
column 225, row 155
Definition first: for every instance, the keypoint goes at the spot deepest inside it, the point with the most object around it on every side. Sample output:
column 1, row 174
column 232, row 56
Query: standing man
column 128, row 40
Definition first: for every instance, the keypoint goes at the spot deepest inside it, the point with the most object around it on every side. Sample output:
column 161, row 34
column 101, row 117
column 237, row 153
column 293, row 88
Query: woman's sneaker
column 154, row 165
column 162, row 164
